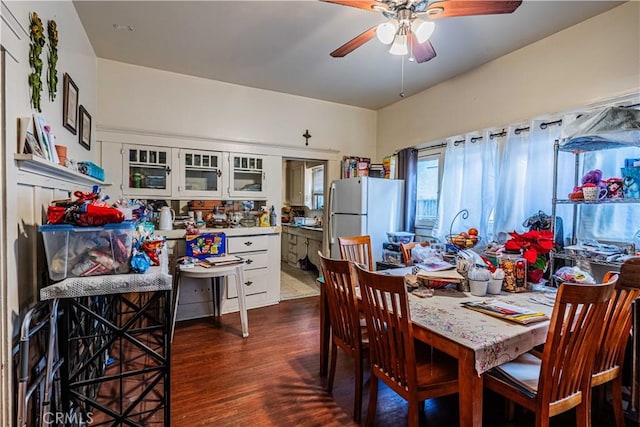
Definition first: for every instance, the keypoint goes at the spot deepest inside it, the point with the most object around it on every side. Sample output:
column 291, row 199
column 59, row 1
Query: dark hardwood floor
column 272, row 378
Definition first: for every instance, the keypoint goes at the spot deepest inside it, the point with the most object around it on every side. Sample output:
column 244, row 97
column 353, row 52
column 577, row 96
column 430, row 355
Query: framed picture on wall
column 85, row 128
column 70, row 104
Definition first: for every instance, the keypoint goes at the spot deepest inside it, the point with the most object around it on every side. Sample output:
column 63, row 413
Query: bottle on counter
column 264, row 217
column 273, row 217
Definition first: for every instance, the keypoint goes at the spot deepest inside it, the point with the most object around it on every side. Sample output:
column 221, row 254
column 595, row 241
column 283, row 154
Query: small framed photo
column 70, row 104
column 85, row 128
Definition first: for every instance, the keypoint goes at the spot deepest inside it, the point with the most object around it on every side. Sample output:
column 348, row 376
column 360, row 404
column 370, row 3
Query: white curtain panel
column 468, row 182
column 525, row 183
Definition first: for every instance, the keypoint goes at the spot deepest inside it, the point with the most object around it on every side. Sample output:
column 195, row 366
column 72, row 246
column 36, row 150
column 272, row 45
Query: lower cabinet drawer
column 255, row 282
column 254, row 260
column 292, row 258
column 238, row 244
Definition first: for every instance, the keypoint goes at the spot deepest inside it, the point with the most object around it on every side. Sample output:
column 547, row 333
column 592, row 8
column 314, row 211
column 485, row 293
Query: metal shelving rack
column 114, row 338
column 576, row 207
column 633, row 410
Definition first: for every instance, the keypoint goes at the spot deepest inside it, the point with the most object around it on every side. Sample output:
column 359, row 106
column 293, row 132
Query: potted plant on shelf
column 535, row 247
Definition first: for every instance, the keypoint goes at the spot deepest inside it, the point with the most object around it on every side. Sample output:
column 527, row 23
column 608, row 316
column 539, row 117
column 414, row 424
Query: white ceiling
column 284, row 46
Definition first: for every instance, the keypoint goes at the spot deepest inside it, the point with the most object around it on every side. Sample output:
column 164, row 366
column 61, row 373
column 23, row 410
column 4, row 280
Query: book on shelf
column 45, row 138
column 507, row 311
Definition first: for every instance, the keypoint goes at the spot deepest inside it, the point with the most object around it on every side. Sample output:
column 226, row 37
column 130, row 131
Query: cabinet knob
column 248, row 283
column 248, row 243
column 249, row 261
column 168, row 170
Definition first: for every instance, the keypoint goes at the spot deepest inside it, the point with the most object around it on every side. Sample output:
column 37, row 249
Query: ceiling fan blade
column 354, row 43
column 423, row 52
column 452, row 8
column 360, row 4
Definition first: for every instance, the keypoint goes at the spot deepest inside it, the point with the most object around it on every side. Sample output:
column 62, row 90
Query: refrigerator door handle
column 332, row 239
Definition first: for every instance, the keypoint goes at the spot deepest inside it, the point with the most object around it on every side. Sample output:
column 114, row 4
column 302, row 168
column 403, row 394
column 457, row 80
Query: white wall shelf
column 38, row 166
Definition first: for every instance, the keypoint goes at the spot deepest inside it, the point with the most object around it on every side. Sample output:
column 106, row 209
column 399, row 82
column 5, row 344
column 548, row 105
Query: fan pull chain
column 402, row 94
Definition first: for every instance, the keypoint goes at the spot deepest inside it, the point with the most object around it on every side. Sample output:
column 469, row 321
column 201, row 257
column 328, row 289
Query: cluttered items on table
column 89, row 237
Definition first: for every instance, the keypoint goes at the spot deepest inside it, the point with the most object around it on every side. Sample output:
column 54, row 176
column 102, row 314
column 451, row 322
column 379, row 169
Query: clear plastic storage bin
column 392, row 257
column 87, row 251
column 400, row 236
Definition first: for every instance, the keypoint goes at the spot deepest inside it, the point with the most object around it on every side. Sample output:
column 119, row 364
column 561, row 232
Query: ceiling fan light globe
column 422, row 29
column 386, row 32
column 399, row 46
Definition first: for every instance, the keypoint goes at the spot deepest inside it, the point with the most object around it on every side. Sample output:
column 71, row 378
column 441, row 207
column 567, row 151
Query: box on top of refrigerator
column 87, row 251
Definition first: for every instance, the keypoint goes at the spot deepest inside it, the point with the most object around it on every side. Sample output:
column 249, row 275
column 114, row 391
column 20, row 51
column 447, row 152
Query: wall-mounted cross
column 306, row 135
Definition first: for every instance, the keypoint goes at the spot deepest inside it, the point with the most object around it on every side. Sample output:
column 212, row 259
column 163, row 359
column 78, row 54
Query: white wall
column 26, row 204
column 138, row 98
column 594, row 60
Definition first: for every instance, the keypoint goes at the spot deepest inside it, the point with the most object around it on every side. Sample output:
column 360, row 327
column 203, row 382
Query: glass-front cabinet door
column 147, row 171
column 200, row 173
column 247, row 176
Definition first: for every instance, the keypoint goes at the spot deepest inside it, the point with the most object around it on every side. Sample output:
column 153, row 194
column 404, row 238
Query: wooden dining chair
column 406, row 251
column 610, row 355
column 346, row 330
column 561, row 379
column 357, row 249
column 416, row 377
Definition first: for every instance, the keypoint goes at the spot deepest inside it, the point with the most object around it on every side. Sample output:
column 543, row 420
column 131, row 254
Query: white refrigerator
column 360, row 206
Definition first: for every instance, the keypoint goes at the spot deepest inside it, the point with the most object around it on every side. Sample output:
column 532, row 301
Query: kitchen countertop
column 304, row 227
column 237, row 231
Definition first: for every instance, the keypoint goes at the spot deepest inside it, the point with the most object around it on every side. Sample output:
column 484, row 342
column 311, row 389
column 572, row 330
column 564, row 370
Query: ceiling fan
column 406, row 31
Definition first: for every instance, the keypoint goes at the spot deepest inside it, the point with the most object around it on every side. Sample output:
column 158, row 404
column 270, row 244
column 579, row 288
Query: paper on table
column 507, row 311
column 435, row 264
column 447, row 275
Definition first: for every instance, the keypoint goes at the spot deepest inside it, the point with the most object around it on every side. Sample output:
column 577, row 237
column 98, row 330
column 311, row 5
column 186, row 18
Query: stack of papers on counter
column 507, row 311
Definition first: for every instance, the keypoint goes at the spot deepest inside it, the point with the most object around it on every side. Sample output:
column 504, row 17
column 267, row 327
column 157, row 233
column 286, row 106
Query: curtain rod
column 545, row 125
column 500, row 134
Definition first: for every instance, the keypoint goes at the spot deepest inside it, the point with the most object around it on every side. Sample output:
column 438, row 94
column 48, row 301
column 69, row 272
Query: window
column 428, row 187
column 317, row 187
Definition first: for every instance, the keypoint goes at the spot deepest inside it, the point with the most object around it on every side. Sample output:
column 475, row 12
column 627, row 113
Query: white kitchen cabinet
column 146, row 171
column 255, row 251
column 247, row 176
column 260, row 248
column 200, row 174
column 301, row 242
column 283, row 244
column 296, row 184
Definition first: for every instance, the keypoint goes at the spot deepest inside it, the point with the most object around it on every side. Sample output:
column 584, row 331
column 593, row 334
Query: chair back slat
column 618, row 318
column 574, row 331
column 357, row 249
column 386, row 309
column 342, row 299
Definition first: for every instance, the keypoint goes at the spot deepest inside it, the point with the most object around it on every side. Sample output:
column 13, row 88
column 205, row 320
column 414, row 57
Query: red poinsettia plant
column 534, row 246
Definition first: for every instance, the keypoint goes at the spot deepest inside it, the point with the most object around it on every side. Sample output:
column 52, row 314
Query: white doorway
column 304, row 192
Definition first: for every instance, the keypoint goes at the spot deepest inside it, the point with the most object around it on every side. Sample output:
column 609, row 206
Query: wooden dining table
column 478, row 341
